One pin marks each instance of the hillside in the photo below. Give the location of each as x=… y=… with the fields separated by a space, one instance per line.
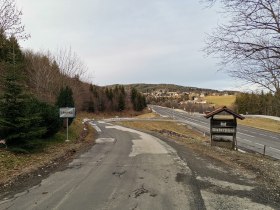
x=147 y=88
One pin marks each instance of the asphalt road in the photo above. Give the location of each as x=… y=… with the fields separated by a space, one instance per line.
x=127 y=169
x=247 y=137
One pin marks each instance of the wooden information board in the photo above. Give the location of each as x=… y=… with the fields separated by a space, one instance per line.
x=224 y=127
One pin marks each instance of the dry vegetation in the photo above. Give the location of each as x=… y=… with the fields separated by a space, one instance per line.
x=262 y=123
x=256 y=122
x=219 y=101
x=125 y=113
x=148 y=116
x=12 y=165
x=266 y=170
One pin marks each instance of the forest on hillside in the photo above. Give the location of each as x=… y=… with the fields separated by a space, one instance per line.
x=148 y=88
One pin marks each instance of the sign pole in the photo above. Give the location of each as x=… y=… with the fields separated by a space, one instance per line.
x=67 y=112
x=67 y=139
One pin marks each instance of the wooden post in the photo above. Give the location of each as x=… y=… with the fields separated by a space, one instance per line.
x=233 y=142
x=264 y=148
x=234 y=135
x=67 y=135
x=211 y=135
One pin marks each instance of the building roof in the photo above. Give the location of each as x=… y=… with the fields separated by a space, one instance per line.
x=224 y=109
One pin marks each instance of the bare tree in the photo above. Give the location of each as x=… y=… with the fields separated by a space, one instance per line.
x=249 y=43
x=43 y=75
x=10 y=20
x=70 y=64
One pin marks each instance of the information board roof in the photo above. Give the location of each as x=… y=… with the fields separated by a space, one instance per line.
x=224 y=109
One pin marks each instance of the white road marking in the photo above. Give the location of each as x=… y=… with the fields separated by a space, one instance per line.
x=105 y=140
x=246 y=140
x=95 y=127
x=247 y=135
x=101 y=122
x=260 y=144
x=105 y=123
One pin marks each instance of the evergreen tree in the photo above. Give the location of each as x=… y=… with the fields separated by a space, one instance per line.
x=133 y=94
x=109 y=94
x=138 y=100
x=65 y=99
x=10 y=50
x=121 y=103
x=276 y=103
x=19 y=124
x=49 y=115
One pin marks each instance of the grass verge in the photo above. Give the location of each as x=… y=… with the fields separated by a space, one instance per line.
x=256 y=122
x=261 y=123
x=13 y=165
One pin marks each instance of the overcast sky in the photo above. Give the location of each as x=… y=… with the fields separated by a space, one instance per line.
x=130 y=41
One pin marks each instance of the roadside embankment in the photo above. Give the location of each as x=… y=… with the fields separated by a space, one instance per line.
x=21 y=170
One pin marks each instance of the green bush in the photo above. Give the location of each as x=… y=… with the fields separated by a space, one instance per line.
x=31 y=146
x=49 y=115
x=65 y=99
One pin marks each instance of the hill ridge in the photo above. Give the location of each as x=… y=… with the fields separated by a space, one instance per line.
x=148 y=87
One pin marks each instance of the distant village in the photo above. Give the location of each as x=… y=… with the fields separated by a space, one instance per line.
x=195 y=101
x=185 y=97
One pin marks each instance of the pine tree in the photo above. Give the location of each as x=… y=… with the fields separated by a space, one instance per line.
x=121 y=103
x=18 y=123
x=65 y=99
x=138 y=100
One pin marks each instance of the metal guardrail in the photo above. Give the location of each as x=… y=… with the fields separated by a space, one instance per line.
x=260 y=148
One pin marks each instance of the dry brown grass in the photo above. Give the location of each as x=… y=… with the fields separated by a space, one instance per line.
x=255 y=122
x=101 y=115
x=220 y=101
x=148 y=116
x=158 y=126
x=262 y=123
